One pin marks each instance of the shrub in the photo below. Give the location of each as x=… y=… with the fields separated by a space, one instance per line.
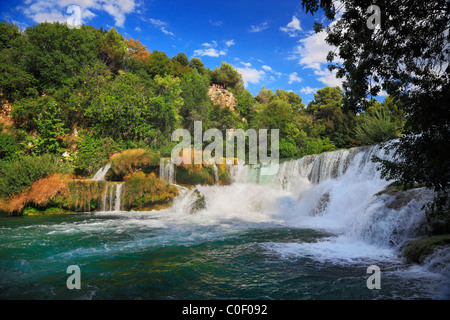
x=133 y=160
x=20 y=174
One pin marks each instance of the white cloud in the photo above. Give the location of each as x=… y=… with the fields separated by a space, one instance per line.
x=162 y=25
x=54 y=10
x=269 y=69
x=163 y=29
x=216 y=23
x=313 y=50
x=258 y=28
x=250 y=75
x=213 y=44
x=230 y=43
x=137 y=29
x=328 y=78
x=293 y=77
x=210 y=52
x=292 y=28
x=247 y=64
x=312 y=54
x=308 y=90
x=211 y=49
x=157 y=22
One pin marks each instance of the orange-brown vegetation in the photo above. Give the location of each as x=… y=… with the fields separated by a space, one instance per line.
x=137 y=50
x=133 y=160
x=40 y=193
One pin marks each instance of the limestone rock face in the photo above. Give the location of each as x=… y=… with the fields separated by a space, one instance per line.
x=222 y=97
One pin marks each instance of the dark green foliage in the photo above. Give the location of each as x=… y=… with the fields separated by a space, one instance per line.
x=227 y=76
x=53 y=52
x=245 y=102
x=93 y=153
x=19 y=174
x=8 y=33
x=196 y=102
x=50 y=131
x=9 y=147
x=112 y=49
x=326 y=111
x=198 y=65
x=158 y=64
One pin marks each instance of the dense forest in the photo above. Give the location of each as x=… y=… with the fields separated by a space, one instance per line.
x=88 y=93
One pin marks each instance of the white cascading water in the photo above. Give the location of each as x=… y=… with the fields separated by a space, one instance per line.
x=112 y=197
x=100 y=174
x=167 y=170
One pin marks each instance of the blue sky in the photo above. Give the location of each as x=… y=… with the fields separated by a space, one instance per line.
x=271 y=43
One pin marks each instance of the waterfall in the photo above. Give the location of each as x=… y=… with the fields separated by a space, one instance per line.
x=167 y=170
x=334 y=191
x=100 y=174
x=112 y=197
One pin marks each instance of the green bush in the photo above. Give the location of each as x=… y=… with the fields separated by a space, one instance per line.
x=20 y=174
x=9 y=147
x=375 y=129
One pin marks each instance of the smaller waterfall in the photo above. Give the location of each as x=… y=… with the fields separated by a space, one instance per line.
x=167 y=170
x=112 y=197
x=100 y=174
x=118 y=197
x=216 y=173
x=104 y=199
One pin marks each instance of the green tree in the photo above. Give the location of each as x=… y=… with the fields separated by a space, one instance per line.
x=8 y=33
x=196 y=101
x=292 y=98
x=196 y=63
x=112 y=49
x=326 y=110
x=50 y=131
x=158 y=64
x=227 y=76
x=53 y=52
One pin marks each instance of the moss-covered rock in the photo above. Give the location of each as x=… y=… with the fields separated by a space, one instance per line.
x=416 y=251
x=146 y=191
x=132 y=160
